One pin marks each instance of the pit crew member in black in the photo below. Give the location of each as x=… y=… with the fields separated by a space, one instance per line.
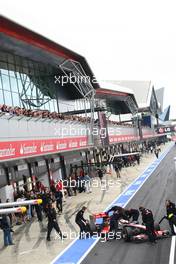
x=118 y=209
x=114 y=222
x=132 y=214
x=147 y=218
x=171 y=215
x=52 y=222
x=125 y=214
x=82 y=223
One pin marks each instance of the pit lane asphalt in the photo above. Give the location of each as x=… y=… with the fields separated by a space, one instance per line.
x=160 y=186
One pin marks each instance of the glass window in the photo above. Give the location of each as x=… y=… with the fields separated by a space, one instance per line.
x=20 y=86
x=2 y=56
x=25 y=63
x=8 y=98
x=11 y=73
x=17 y=75
x=16 y=71
x=14 y=86
x=55 y=105
x=5 y=82
x=10 y=58
x=17 y=60
x=3 y=65
x=1 y=97
x=26 y=71
x=16 y=99
x=30 y=64
x=4 y=71
x=51 y=104
x=28 y=88
x=11 y=70
x=0 y=81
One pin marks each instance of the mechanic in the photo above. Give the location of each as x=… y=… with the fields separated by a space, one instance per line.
x=52 y=222
x=114 y=221
x=171 y=215
x=132 y=213
x=147 y=218
x=82 y=223
x=116 y=208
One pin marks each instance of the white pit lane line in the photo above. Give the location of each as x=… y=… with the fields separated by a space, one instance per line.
x=172 y=249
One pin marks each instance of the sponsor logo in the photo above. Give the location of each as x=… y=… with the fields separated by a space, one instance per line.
x=46 y=147
x=7 y=152
x=28 y=149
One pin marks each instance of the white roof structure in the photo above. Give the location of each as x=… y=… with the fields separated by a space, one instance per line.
x=160 y=96
x=143 y=91
x=110 y=85
x=119 y=99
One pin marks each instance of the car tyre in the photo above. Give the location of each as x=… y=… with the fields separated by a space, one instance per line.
x=127 y=234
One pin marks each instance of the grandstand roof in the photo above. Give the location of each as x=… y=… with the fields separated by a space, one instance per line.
x=120 y=100
x=164 y=116
x=23 y=42
x=160 y=96
x=144 y=93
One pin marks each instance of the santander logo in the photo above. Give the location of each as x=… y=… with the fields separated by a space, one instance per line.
x=7 y=151
x=28 y=149
x=46 y=147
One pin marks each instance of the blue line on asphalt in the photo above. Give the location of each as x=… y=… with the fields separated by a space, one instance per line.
x=74 y=252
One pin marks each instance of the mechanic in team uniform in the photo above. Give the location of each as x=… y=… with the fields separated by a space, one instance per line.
x=125 y=214
x=147 y=218
x=118 y=213
x=82 y=223
x=52 y=222
x=114 y=218
x=116 y=208
x=132 y=214
x=171 y=215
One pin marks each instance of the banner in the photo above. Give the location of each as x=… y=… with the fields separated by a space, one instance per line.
x=25 y=148
x=167 y=129
x=122 y=138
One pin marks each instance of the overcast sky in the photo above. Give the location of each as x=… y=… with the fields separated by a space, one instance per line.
x=121 y=39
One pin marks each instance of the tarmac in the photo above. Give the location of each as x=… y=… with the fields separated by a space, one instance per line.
x=30 y=245
x=159 y=186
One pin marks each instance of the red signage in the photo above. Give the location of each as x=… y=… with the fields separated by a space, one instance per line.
x=166 y=129
x=18 y=149
x=122 y=138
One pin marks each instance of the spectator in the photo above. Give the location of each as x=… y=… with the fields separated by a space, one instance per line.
x=116 y=168
x=156 y=153
x=100 y=174
x=6 y=227
x=87 y=183
x=59 y=197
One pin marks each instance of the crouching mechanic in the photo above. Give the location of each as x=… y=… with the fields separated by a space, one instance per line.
x=132 y=214
x=147 y=218
x=82 y=223
x=117 y=209
x=126 y=214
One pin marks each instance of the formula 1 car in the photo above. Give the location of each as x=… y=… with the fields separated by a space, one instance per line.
x=137 y=232
x=100 y=223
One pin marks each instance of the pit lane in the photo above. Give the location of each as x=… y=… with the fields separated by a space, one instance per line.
x=160 y=186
